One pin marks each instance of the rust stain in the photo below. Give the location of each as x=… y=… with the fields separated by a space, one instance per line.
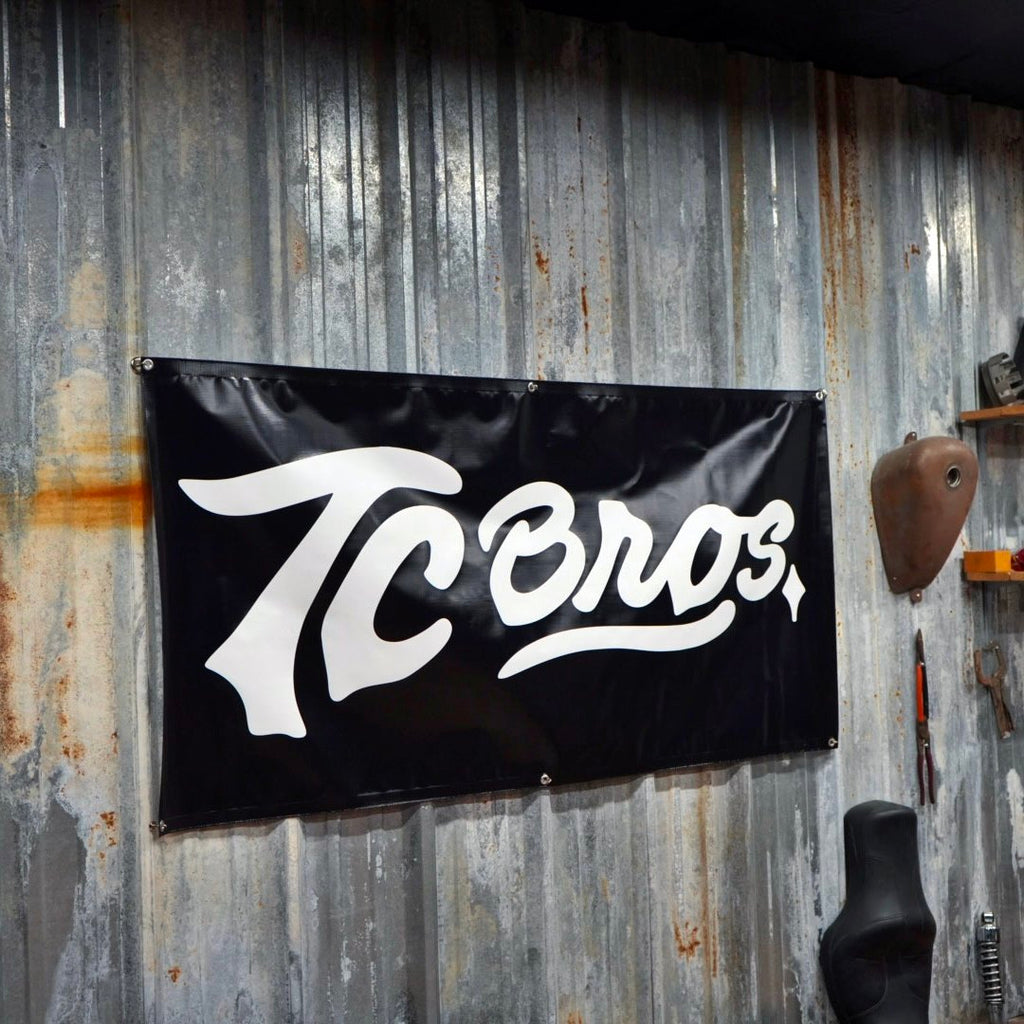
x=586 y=308
x=109 y=819
x=72 y=749
x=842 y=256
x=297 y=242
x=75 y=751
x=851 y=228
x=300 y=256
x=13 y=737
x=174 y=973
x=543 y=262
x=92 y=503
x=93 y=478
x=829 y=228
x=575 y=1017
x=687 y=942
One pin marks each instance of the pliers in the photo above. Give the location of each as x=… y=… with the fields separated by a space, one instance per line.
x=924 y=741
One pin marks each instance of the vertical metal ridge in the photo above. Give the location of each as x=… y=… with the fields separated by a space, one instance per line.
x=410 y=358
x=5 y=27
x=61 y=110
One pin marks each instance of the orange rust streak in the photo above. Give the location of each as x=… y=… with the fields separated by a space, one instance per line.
x=174 y=973
x=854 y=286
x=95 y=505
x=12 y=736
x=829 y=227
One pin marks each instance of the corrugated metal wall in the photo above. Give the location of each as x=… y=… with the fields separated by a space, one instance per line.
x=471 y=188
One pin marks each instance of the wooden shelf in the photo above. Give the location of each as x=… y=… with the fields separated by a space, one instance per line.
x=999 y=412
x=995 y=577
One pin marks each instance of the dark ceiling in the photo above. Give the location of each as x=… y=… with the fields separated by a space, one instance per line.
x=956 y=46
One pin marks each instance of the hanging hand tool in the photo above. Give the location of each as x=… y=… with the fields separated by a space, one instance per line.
x=994 y=683
x=924 y=741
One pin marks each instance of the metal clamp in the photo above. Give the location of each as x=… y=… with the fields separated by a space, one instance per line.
x=994 y=684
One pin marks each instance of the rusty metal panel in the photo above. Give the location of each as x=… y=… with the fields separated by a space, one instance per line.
x=471 y=188
x=72 y=506
x=998 y=160
x=908 y=190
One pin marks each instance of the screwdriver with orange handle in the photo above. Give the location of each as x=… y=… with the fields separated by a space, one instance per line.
x=925 y=764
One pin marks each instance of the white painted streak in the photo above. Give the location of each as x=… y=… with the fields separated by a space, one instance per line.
x=61 y=109
x=1015 y=797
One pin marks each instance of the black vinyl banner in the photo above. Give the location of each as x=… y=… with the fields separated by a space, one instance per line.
x=383 y=587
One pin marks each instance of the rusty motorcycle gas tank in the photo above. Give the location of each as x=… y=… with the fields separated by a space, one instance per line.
x=921 y=493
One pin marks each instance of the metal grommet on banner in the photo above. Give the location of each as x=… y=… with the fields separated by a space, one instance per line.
x=545 y=779
x=833 y=742
x=532 y=386
x=159 y=827
x=821 y=394
x=142 y=364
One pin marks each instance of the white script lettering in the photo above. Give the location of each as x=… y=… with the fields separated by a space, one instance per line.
x=258 y=657
x=514 y=607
